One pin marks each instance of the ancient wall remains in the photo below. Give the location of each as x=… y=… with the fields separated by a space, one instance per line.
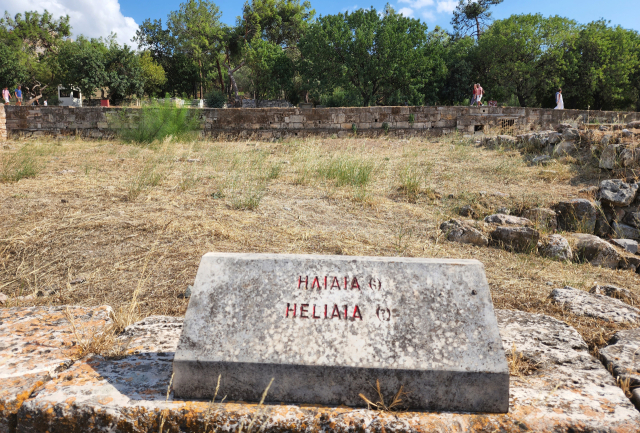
x=267 y=123
x=3 y=124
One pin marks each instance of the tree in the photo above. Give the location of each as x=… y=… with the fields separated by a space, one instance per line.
x=12 y=72
x=124 y=74
x=605 y=64
x=526 y=56
x=197 y=29
x=271 y=71
x=459 y=58
x=83 y=65
x=152 y=74
x=470 y=17
x=279 y=22
x=35 y=38
x=375 y=55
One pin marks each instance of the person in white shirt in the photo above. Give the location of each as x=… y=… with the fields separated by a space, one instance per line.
x=559 y=101
x=6 y=96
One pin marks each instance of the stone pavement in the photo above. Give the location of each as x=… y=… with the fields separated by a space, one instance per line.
x=567 y=391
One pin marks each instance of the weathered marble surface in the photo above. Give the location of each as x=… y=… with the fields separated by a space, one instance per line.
x=592 y=305
x=623 y=357
x=36 y=343
x=569 y=392
x=326 y=327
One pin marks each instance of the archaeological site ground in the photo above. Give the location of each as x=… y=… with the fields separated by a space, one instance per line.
x=101 y=239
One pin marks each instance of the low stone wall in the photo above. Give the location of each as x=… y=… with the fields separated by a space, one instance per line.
x=267 y=123
x=3 y=124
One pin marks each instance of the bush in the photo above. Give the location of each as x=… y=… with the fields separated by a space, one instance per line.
x=215 y=99
x=157 y=122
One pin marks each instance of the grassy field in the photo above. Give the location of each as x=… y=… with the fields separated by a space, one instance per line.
x=89 y=222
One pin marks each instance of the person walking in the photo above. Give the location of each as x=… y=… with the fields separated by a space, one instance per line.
x=480 y=94
x=475 y=92
x=559 y=100
x=18 y=93
x=6 y=96
x=45 y=102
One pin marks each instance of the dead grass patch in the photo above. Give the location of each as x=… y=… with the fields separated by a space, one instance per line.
x=71 y=224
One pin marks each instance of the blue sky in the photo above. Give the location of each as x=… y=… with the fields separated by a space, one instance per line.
x=95 y=18
x=433 y=12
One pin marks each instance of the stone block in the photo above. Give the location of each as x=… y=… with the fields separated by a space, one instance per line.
x=598 y=306
x=36 y=343
x=326 y=327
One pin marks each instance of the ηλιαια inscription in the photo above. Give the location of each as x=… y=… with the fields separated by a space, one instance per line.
x=308 y=311
x=338 y=283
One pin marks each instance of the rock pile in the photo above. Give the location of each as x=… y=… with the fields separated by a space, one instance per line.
x=604 y=232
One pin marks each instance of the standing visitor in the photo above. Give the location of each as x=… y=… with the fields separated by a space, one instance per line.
x=45 y=102
x=559 y=100
x=6 y=95
x=18 y=93
x=480 y=94
x=475 y=92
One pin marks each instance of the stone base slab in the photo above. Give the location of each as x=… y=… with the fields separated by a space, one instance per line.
x=569 y=391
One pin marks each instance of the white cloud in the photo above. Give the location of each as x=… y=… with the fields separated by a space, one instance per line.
x=447 y=5
x=350 y=9
x=407 y=12
x=429 y=15
x=417 y=4
x=92 y=18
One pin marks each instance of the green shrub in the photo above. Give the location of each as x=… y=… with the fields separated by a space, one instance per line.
x=346 y=171
x=215 y=99
x=385 y=126
x=157 y=122
x=412 y=118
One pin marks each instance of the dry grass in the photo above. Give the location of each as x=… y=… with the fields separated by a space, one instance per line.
x=395 y=404
x=78 y=219
x=519 y=365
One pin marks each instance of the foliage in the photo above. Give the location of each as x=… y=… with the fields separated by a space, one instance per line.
x=124 y=74
x=524 y=55
x=12 y=72
x=604 y=68
x=374 y=55
x=152 y=74
x=83 y=65
x=459 y=62
x=34 y=39
x=155 y=123
x=18 y=165
x=470 y=17
x=271 y=71
x=215 y=99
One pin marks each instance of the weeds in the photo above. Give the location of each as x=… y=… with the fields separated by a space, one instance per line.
x=346 y=171
x=519 y=365
x=147 y=178
x=157 y=123
x=380 y=405
x=411 y=180
x=19 y=165
x=385 y=127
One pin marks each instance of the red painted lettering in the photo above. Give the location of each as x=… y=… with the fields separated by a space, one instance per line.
x=316 y=283
x=356 y=313
x=354 y=284
x=289 y=309
x=313 y=316
x=325 y=283
x=336 y=312
x=345 y=283
x=306 y=282
x=303 y=310
x=335 y=283
x=325 y=311
x=345 y=313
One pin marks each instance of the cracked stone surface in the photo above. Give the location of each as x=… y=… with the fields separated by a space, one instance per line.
x=623 y=358
x=629 y=245
x=557 y=248
x=543 y=217
x=576 y=215
x=591 y=305
x=624 y=295
x=617 y=193
x=508 y=220
x=569 y=392
x=35 y=343
x=520 y=239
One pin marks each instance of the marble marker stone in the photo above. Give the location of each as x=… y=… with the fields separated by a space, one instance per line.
x=327 y=327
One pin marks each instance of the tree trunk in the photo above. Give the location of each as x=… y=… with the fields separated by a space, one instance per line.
x=220 y=75
x=477 y=28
